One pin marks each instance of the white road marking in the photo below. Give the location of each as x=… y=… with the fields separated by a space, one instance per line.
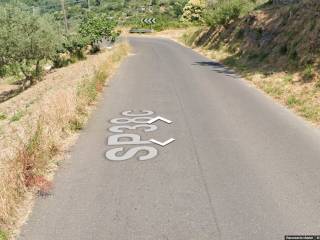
x=162 y=144
x=159 y=118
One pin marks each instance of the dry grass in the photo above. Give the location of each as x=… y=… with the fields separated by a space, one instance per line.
x=298 y=89
x=274 y=47
x=42 y=134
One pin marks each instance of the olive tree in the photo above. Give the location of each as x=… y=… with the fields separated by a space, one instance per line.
x=26 y=40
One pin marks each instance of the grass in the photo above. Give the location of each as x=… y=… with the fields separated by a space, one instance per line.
x=190 y=36
x=295 y=88
x=64 y=112
x=76 y=124
x=272 y=89
x=288 y=78
x=3 y=235
x=311 y=112
x=89 y=88
x=17 y=116
x=87 y=91
x=3 y=116
x=308 y=73
x=293 y=101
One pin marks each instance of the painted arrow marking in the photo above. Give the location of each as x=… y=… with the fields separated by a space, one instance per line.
x=162 y=144
x=159 y=118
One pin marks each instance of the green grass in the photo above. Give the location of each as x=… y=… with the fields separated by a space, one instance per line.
x=311 y=112
x=288 y=78
x=76 y=125
x=17 y=116
x=272 y=89
x=3 y=235
x=2 y=116
x=87 y=90
x=293 y=101
x=308 y=73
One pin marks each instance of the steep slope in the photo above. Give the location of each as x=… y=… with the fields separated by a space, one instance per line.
x=276 y=47
x=282 y=37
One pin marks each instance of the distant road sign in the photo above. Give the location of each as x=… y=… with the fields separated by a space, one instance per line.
x=149 y=20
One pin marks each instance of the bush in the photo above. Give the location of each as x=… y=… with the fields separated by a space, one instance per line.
x=72 y=49
x=192 y=12
x=61 y=60
x=96 y=27
x=178 y=6
x=225 y=11
x=75 y=45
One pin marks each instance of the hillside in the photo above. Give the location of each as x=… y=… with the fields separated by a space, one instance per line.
x=277 y=36
x=274 y=46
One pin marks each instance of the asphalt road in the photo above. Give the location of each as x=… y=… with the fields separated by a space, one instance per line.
x=242 y=167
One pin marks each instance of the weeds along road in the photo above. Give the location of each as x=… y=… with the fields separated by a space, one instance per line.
x=241 y=166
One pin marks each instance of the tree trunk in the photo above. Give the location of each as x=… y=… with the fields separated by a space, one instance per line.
x=38 y=71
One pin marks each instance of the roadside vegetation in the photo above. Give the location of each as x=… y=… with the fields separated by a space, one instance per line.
x=43 y=133
x=3 y=235
x=275 y=46
x=41 y=110
x=166 y=12
x=53 y=64
x=31 y=42
x=37 y=36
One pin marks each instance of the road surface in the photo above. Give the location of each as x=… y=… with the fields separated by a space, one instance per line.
x=241 y=166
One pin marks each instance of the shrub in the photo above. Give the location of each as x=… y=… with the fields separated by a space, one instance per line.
x=95 y=27
x=71 y=50
x=75 y=44
x=178 y=7
x=193 y=11
x=61 y=60
x=225 y=11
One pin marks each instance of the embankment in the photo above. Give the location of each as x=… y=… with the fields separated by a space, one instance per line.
x=39 y=125
x=276 y=47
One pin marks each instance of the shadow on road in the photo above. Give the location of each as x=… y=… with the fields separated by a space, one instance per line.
x=217 y=67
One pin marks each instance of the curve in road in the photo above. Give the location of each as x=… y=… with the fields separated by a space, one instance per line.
x=241 y=166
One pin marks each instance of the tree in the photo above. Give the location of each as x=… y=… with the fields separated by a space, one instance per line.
x=178 y=7
x=26 y=40
x=97 y=26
